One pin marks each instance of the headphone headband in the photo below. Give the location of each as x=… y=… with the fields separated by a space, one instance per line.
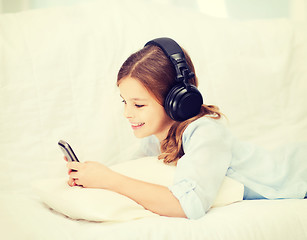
x=174 y=52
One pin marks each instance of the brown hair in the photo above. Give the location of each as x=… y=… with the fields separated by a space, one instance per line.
x=155 y=71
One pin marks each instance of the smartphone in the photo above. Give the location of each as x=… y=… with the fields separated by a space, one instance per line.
x=68 y=152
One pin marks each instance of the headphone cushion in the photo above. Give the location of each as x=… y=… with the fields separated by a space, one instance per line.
x=183 y=102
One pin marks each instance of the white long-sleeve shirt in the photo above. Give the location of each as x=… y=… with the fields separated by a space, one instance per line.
x=211 y=152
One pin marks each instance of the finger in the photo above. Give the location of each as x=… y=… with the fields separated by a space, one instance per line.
x=77 y=183
x=74 y=175
x=71 y=182
x=73 y=165
x=71 y=170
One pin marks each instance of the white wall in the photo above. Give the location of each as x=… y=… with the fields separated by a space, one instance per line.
x=236 y=9
x=7 y=6
x=53 y=3
x=298 y=9
x=10 y=6
x=251 y=9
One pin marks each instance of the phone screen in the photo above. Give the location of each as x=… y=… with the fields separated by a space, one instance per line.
x=68 y=152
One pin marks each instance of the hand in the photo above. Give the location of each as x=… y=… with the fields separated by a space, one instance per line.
x=90 y=175
x=156 y=198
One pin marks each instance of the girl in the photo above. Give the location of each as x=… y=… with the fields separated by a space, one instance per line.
x=201 y=148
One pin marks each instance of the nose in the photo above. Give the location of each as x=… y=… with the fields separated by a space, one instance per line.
x=128 y=112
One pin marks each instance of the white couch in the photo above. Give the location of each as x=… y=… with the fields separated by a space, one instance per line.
x=58 y=72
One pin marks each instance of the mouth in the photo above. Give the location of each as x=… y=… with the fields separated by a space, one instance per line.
x=136 y=126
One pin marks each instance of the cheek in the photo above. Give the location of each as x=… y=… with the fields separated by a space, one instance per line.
x=161 y=117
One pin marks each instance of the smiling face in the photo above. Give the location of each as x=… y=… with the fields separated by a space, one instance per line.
x=146 y=116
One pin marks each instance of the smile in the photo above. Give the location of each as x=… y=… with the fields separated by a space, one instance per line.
x=136 y=125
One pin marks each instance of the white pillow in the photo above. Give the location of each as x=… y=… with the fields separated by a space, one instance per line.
x=103 y=205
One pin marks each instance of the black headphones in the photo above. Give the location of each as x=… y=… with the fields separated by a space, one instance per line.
x=184 y=100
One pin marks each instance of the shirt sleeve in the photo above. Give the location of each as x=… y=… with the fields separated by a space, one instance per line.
x=201 y=171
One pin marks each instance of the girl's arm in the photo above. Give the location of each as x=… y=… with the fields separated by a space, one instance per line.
x=153 y=197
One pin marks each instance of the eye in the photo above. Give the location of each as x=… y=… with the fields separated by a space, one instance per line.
x=139 y=106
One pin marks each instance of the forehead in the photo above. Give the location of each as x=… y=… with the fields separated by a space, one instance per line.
x=133 y=88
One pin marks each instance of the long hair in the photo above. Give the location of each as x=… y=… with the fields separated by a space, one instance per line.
x=157 y=74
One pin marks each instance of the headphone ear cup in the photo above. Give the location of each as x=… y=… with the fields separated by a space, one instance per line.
x=183 y=102
x=170 y=103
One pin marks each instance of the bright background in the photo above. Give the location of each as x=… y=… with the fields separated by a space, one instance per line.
x=235 y=9
x=57 y=71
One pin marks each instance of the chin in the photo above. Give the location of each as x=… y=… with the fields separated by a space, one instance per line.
x=141 y=135
x=137 y=136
